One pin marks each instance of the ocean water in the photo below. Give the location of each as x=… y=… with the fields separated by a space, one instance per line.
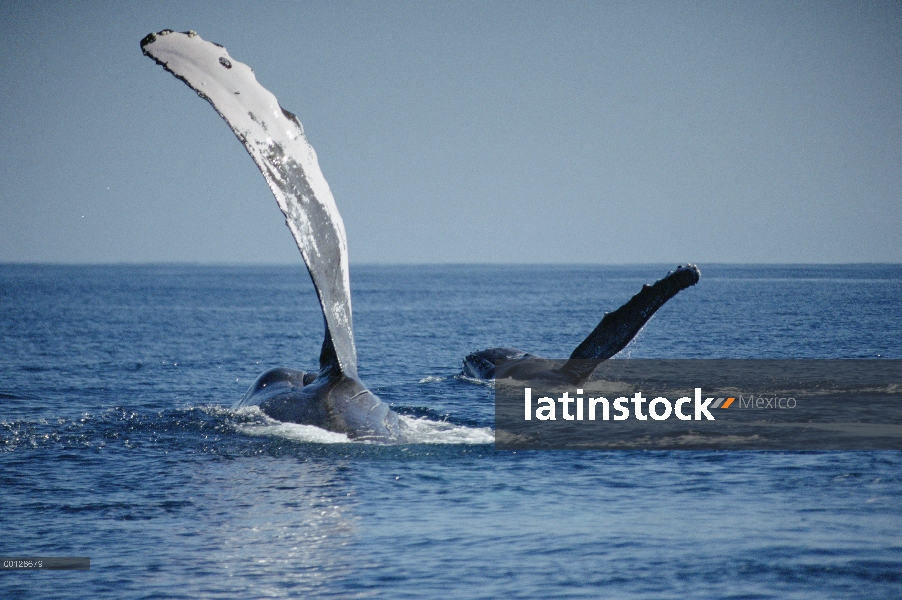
x=117 y=441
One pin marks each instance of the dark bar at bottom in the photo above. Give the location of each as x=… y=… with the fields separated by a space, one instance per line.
x=54 y=563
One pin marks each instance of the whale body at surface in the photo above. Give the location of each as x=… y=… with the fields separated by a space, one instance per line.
x=330 y=401
x=612 y=335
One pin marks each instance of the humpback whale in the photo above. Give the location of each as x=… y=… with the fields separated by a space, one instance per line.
x=612 y=335
x=333 y=398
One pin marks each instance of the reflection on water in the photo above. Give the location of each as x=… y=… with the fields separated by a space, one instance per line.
x=281 y=524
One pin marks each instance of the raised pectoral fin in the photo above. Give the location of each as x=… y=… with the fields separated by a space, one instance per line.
x=618 y=328
x=275 y=140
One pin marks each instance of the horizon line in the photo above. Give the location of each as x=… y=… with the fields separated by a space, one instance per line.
x=300 y=263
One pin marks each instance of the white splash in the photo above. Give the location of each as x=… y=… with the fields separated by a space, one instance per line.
x=295 y=432
x=425 y=431
x=422 y=431
x=489 y=383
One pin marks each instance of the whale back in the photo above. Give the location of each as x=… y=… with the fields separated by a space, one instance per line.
x=276 y=142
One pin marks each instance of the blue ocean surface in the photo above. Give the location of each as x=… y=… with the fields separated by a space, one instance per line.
x=117 y=441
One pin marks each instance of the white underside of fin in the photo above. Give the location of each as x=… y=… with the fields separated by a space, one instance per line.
x=275 y=140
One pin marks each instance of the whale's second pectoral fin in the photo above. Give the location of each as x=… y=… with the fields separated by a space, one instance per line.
x=618 y=328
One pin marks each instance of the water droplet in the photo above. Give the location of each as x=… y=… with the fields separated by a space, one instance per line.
x=225 y=62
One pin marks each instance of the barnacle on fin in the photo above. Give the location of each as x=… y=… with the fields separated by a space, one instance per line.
x=152 y=37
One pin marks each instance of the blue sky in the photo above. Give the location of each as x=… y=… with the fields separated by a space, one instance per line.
x=559 y=132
